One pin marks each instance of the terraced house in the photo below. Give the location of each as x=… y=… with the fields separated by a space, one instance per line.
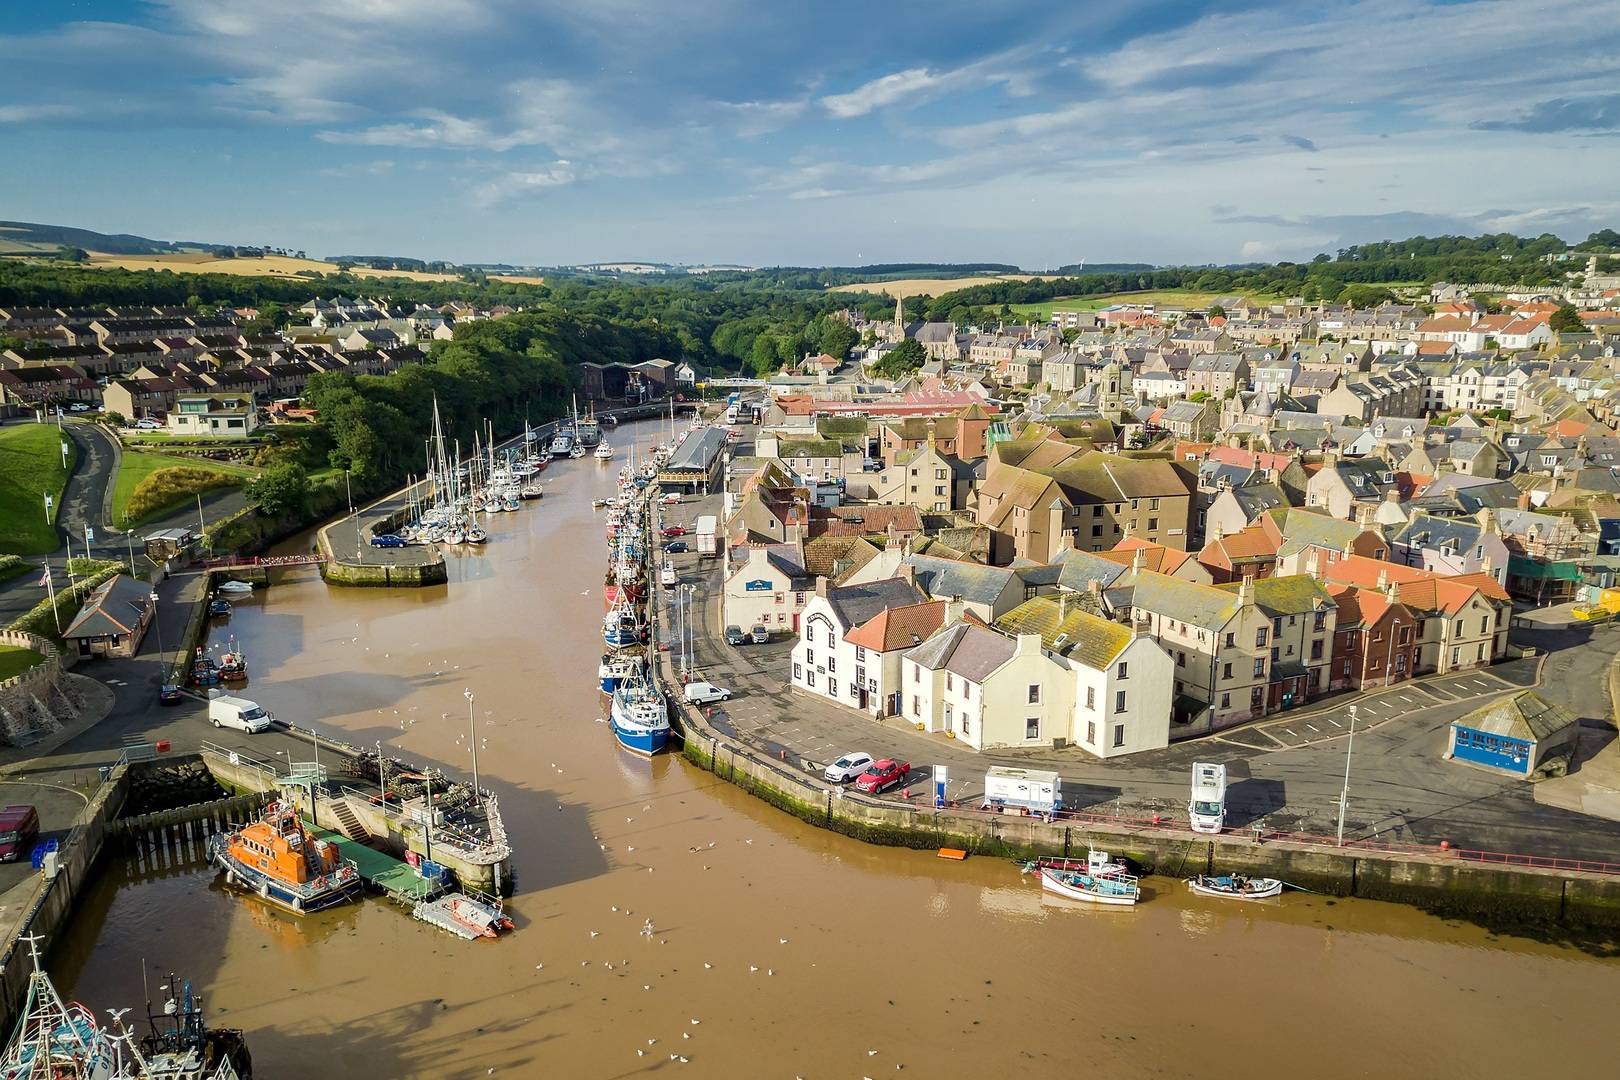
x=1463 y=618
x=1039 y=497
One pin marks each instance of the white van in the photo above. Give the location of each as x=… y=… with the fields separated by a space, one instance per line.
x=1207 y=808
x=238 y=713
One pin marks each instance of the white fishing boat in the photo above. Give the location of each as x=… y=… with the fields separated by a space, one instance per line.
x=530 y=491
x=234 y=587
x=477 y=535
x=1235 y=886
x=604 y=452
x=577 y=451
x=1099 y=883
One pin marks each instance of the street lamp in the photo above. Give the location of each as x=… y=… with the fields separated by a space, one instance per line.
x=472 y=738
x=157 y=624
x=1344 y=794
x=349 y=491
x=382 y=778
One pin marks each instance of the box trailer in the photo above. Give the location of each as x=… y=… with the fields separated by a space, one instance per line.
x=1025 y=789
x=708 y=539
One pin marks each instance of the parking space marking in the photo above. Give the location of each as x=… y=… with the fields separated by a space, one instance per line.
x=1314 y=728
x=1292 y=732
x=1334 y=722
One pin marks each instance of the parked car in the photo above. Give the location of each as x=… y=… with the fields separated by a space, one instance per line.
x=238 y=713
x=705 y=693
x=672 y=531
x=735 y=636
x=671 y=499
x=148 y=424
x=882 y=775
x=19 y=828
x=78 y=406
x=388 y=540
x=667 y=576
x=168 y=694
x=847 y=767
x=759 y=635
x=677 y=547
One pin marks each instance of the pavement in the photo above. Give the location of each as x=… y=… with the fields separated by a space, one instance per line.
x=1286 y=772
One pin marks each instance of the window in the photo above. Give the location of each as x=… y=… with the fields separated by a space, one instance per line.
x=1153 y=524
x=948 y=685
x=798 y=672
x=810 y=656
x=810 y=679
x=1153 y=504
x=1096 y=530
x=1226 y=671
x=1091 y=732
x=1119 y=734
x=950 y=715
x=1231 y=641
x=1316 y=650
x=832 y=687
x=1034 y=693
x=1260 y=637
x=1119 y=701
x=1254 y=698
x=832 y=663
x=1320 y=622
x=1096 y=511
x=1482 y=653
x=1456 y=657
x=1459 y=630
x=967 y=723
x=1276 y=653
x=1181 y=659
x=1091 y=697
x=1400 y=663
x=1135 y=503
x=860 y=653
x=916 y=705
x=1032 y=727
x=1485 y=625
x=810 y=635
x=860 y=674
x=1259 y=666
x=1226 y=701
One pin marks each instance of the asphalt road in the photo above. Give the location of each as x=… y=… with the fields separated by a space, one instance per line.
x=1284 y=774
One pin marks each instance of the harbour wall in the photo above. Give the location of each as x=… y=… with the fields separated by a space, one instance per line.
x=49 y=902
x=1440 y=883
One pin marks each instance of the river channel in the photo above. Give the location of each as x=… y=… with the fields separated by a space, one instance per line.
x=778 y=950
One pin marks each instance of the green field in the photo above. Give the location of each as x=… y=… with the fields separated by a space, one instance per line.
x=14 y=660
x=30 y=468
x=136 y=465
x=1177 y=297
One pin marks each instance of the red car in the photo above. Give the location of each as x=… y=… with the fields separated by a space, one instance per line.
x=673 y=530
x=882 y=775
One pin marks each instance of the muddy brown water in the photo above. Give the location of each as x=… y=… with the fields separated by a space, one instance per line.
x=799 y=953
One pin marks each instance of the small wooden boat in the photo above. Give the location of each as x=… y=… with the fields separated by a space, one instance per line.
x=1099 y=880
x=219 y=606
x=1235 y=886
x=463 y=916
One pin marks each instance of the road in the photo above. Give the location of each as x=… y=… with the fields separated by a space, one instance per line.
x=1287 y=773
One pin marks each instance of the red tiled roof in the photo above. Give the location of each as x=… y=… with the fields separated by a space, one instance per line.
x=900 y=627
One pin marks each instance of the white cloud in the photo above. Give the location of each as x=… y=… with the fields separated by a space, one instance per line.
x=817 y=193
x=510 y=185
x=24 y=114
x=749 y=118
x=881 y=92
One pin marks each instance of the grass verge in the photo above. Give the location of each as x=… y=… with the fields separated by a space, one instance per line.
x=30 y=468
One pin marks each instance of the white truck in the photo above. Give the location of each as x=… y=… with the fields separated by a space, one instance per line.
x=1025 y=789
x=1206 y=810
x=238 y=713
x=708 y=536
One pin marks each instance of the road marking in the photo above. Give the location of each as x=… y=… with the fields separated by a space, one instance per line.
x=1292 y=732
x=1314 y=728
x=1334 y=722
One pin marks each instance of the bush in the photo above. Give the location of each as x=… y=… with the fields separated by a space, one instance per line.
x=166 y=487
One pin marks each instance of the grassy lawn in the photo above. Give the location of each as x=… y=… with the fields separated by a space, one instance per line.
x=14 y=660
x=30 y=467
x=1177 y=297
x=137 y=465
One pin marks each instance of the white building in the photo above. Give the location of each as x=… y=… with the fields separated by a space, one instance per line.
x=826 y=663
x=767 y=588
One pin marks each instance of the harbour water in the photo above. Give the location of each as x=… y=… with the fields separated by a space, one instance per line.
x=777 y=950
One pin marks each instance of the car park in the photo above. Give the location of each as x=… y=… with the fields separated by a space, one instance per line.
x=677 y=547
x=735 y=636
x=388 y=540
x=847 y=768
x=705 y=693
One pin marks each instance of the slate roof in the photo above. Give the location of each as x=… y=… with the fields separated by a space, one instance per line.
x=948 y=578
x=115 y=607
x=965 y=649
x=1525 y=715
x=1067 y=629
x=856 y=604
x=1184 y=601
x=1078 y=569
x=1427 y=531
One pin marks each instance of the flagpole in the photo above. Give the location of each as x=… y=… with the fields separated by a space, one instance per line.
x=50 y=586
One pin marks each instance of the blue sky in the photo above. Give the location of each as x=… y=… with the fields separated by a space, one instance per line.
x=827 y=133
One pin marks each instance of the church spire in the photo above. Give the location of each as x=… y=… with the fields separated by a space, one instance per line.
x=899 y=319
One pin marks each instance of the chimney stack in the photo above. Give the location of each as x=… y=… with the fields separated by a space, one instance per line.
x=1246 y=589
x=821 y=585
x=1139 y=560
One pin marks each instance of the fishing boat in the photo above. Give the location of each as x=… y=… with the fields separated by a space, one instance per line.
x=1235 y=886
x=57 y=1040
x=577 y=451
x=232 y=666
x=530 y=490
x=282 y=862
x=219 y=606
x=1097 y=884
x=455 y=535
x=639 y=716
x=464 y=916
x=562 y=443
x=615 y=668
x=477 y=535
x=509 y=501
x=588 y=431
x=204 y=672
x=609 y=420
x=1103 y=867
x=234 y=586
x=621 y=629
x=604 y=452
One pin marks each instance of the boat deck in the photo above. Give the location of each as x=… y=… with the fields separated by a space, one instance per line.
x=393 y=876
